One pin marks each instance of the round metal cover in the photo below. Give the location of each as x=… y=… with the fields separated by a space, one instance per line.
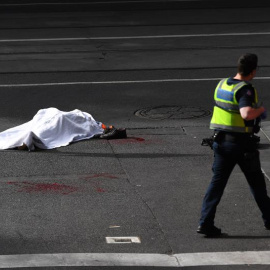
x=172 y=112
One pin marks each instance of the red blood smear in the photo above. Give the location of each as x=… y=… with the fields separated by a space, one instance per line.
x=128 y=140
x=139 y=139
x=95 y=184
x=30 y=187
x=104 y=175
x=100 y=190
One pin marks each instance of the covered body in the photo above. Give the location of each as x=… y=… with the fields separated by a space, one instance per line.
x=51 y=128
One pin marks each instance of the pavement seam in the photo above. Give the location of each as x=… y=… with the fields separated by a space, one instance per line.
x=177 y=260
x=170 y=251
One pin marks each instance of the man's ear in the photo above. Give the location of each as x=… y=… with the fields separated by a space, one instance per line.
x=251 y=75
x=254 y=72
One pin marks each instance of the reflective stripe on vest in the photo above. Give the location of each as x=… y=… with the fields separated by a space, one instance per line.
x=228 y=121
x=232 y=129
x=226 y=115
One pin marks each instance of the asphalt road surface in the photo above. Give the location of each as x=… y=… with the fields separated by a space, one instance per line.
x=150 y=67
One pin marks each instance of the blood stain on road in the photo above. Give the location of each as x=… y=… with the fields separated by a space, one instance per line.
x=30 y=187
x=100 y=190
x=95 y=183
x=128 y=140
x=137 y=141
x=99 y=175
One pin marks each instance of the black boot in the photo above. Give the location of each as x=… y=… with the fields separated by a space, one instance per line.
x=209 y=230
x=115 y=133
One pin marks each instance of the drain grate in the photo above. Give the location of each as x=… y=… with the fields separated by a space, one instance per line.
x=172 y=112
x=123 y=240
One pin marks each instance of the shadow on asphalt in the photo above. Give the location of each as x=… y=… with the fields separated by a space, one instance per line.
x=227 y=236
x=264 y=146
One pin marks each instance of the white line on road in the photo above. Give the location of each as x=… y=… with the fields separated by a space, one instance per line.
x=105 y=82
x=132 y=37
x=135 y=259
x=117 y=82
x=91 y=3
x=87 y=3
x=267 y=137
x=266 y=176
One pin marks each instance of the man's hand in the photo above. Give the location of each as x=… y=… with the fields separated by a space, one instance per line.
x=249 y=113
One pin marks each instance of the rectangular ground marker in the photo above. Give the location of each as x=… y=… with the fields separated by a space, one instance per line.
x=123 y=240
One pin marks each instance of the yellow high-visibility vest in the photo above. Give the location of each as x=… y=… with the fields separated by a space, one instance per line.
x=226 y=115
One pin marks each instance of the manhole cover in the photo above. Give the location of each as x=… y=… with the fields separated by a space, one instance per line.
x=172 y=112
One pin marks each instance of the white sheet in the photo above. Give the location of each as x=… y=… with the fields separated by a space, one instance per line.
x=51 y=128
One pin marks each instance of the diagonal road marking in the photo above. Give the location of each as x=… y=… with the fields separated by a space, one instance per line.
x=134 y=37
x=118 y=82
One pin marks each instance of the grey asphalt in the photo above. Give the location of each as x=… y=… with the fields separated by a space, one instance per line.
x=150 y=185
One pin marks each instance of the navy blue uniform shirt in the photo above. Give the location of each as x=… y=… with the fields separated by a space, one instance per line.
x=245 y=96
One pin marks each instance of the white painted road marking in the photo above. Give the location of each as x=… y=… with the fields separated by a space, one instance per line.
x=266 y=176
x=267 y=137
x=133 y=37
x=84 y=3
x=117 y=82
x=123 y=240
x=135 y=259
x=105 y=82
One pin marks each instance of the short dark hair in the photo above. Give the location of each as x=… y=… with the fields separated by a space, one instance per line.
x=247 y=63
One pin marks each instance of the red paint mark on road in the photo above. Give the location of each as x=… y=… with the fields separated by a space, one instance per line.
x=30 y=187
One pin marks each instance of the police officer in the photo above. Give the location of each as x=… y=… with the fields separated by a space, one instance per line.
x=235 y=112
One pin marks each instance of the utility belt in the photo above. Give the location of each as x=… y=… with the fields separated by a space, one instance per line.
x=249 y=142
x=241 y=138
x=231 y=137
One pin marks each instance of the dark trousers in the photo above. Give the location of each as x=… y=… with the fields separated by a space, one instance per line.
x=226 y=155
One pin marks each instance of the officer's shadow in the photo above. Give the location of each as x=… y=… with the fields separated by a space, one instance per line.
x=263 y=146
x=227 y=236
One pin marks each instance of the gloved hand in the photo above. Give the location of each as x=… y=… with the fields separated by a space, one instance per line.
x=264 y=115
